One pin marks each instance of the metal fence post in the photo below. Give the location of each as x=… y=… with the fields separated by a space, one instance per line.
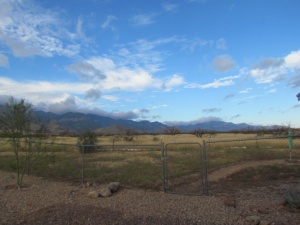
x=82 y=165
x=163 y=167
x=205 y=189
x=290 y=134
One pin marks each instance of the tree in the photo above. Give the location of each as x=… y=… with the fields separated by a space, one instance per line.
x=16 y=118
x=88 y=139
x=198 y=132
x=172 y=130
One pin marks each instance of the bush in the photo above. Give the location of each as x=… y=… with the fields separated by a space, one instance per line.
x=129 y=138
x=89 y=140
x=293 y=198
x=155 y=139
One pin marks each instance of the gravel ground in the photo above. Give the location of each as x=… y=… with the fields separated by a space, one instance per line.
x=43 y=201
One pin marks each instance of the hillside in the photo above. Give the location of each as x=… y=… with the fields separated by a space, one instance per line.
x=74 y=122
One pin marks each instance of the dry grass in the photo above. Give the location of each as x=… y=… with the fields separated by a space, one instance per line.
x=150 y=139
x=142 y=165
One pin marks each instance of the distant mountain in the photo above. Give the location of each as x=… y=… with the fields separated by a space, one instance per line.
x=80 y=122
x=218 y=126
x=74 y=122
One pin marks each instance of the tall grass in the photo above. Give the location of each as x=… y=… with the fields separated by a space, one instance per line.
x=135 y=164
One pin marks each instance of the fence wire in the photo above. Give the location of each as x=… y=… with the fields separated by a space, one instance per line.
x=222 y=152
x=132 y=165
x=185 y=168
x=254 y=153
x=173 y=167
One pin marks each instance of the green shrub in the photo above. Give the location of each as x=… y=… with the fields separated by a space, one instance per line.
x=129 y=138
x=155 y=139
x=293 y=198
x=89 y=140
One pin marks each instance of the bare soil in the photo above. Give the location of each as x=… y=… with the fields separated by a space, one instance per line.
x=236 y=192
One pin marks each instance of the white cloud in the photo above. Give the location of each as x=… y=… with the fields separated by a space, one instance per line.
x=221 y=44
x=93 y=69
x=246 y=90
x=222 y=82
x=108 y=75
x=110 y=98
x=142 y=19
x=170 y=7
x=93 y=94
x=67 y=105
x=80 y=30
x=159 y=106
x=174 y=81
x=265 y=75
x=294 y=82
x=292 y=60
x=31 y=30
x=108 y=22
x=41 y=91
x=193 y=44
x=223 y=63
x=59 y=97
x=269 y=70
x=3 y=60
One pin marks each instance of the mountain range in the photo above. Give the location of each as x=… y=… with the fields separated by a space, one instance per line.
x=74 y=122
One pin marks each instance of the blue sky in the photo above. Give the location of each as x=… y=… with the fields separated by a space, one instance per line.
x=176 y=62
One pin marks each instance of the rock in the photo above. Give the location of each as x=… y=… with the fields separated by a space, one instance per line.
x=93 y=194
x=256 y=178
x=114 y=186
x=264 y=222
x=253 y=220
x=229 y=201
x=105 y=192
x=87 y=184
x=263 y=211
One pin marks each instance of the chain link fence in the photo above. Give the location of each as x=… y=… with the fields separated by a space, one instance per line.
x=251 y=152
x=131 y=165
x=174 y=167
x=185 y=170
x=225 y=152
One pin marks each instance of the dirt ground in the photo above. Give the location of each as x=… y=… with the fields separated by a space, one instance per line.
x=256 y=174
x=237 y=193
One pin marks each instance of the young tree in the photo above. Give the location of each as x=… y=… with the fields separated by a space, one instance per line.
x=88 y=138
x=198 y=132
x=172 y=130
x=16 y=118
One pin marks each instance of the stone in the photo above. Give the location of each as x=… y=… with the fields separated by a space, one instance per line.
x=114 y=186
x=105 y=192
x=264 y=222
x=229 y=201
x=253 y=220
x=263 y=211
x=93 y=194
x=88 y=184
x=256 y=178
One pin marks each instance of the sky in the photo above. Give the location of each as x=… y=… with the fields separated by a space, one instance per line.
x=176 y=62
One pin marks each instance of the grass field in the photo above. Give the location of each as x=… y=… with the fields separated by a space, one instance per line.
x=138 y=162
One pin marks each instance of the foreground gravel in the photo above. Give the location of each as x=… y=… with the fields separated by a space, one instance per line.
x=42 y=201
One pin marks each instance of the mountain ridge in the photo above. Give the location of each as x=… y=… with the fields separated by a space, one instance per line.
x=76 y=122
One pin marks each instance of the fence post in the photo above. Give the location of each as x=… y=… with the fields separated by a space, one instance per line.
x=82 y=165
x=205 y=189
x=27 y=157
x=163 y=167
x=290 y=134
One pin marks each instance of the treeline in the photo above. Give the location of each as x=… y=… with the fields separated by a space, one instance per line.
x=127 y=133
